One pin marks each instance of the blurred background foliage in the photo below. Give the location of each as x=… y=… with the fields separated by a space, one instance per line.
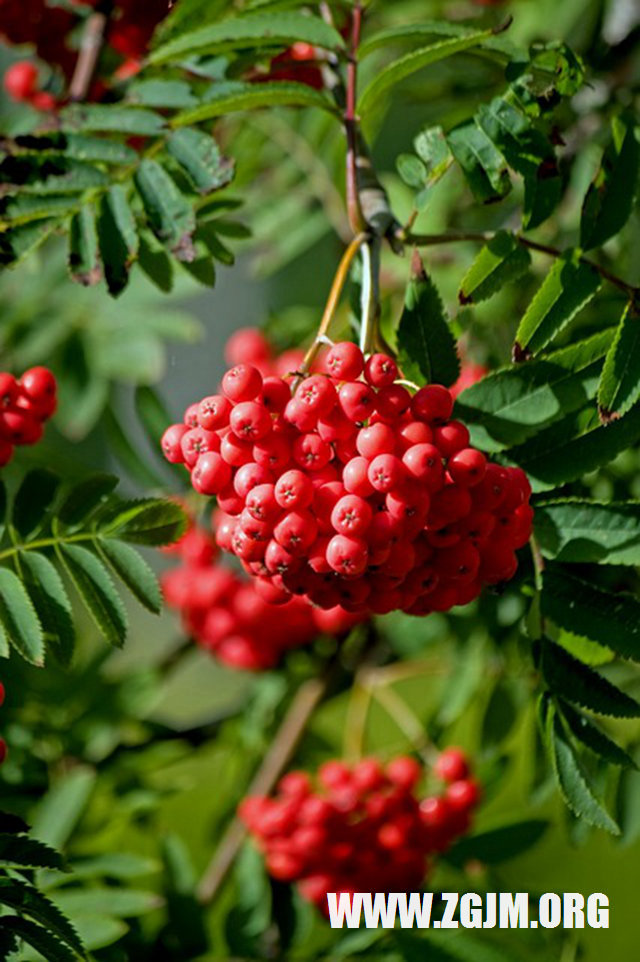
x=133 y=762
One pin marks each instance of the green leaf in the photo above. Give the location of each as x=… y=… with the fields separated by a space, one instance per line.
x=198 y=154
x=174 y=94
x=410 y=63
x=84 y=497
x=576 y=530
x=567 y=288
x=96 y=589
x=619 y=387
x=112 y=117
x=500 y=261
x=42 y=941
x=609 y=200
x=582 y=686
x=256 y=30
x=592 y=737
x=19 y=620
x=170 y=214
x=43 y=176
x=527 y=151
x=585 y=608
x=99 y=931
x=128 y=454
x=498 y=844
x=24 y=852
x=236 y=95
x=11 y=823
x=427 y=348
x=510 y=405
x=119 y=241
x=154 y=418
x=121 y=902
x=61 y=808
x=425 y=28
x=84 y=262
x=571 y=777
x=133 y=571
x=49 y=597
x=482 y=164
x=27 y=900
x=148 y=521
x=412 y=170
x=34 y=496
x=577 y=444
x=19 y=242
x=116 y=865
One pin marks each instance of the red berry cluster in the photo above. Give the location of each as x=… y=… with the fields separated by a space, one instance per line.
x=352 y=491
x=48 y=28
x=361 y=828
x=24 y=407
x=231 y=617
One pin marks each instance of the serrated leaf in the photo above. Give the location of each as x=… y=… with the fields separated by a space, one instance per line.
x=19 y=620
x=609 y=199
x=585 y=608
x=510 y=405
x=116 y=865
x=174 y=94
x=500 y=261
x=572 y=780
x=42 y=941
x=133 y=571
x=10 y=823
x=49 y=597
x=199 y=156
x=83 y=147
x=34 y=175
x=427 y=348
x=84 y=262
x=592 y=737
x=528 y=152
x=119 y=241
x=482 y=164
x=84 y=497
x=231 y=96
x=27 y=900
x=577 y=530
x=255 y=30
x=19 y=242
x=24 y=852
x=170 y=213
x=112 y=117
x=567 y=288
x=149 y=521
x=498 y=844
x=410 y=63
x=425 y=28
x=95 y=587
x=35 y=495
x=580 y=685
x=577 y=444
x=619 y=387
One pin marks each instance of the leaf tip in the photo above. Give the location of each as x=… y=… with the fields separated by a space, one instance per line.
x=417 y=267
x=606 y=416
x=463 y=298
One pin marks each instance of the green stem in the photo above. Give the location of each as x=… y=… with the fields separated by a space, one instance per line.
x=46 y=543
x=482 y=237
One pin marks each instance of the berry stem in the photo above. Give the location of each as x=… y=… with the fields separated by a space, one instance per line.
x=455 y=237
x=332 y=302
x=89 y=53
x=354 y=209
x=307 y=699
x=405 y=719
x=370 y=295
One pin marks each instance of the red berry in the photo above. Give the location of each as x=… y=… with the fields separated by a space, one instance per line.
x=20 y=79
x=452 y=765
x=242 y=383
x=344 y=361
x=433 y=404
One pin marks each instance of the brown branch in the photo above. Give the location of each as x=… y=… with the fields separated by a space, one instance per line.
x=455 y=237
x=354 y=210
x=275 y=761
x=89 y=53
